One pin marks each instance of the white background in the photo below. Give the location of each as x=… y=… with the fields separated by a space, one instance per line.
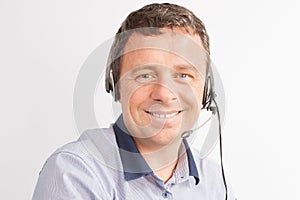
x=254 y=44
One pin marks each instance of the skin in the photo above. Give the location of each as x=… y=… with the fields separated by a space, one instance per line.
x=161 y=94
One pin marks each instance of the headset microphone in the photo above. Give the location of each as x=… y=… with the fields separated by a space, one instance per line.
x=186 y=134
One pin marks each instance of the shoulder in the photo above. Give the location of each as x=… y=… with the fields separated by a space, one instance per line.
x=91 y=149
x=91 y=145
x=78 y=168
x=88 y=138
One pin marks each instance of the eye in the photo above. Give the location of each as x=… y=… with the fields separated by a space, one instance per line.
x=145 y=76
x=183 y=76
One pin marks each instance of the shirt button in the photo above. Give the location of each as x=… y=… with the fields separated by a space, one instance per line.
x=165 y=194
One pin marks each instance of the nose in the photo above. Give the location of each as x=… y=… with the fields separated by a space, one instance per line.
x=162 y=94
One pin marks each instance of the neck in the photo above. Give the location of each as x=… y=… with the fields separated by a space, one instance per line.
x=162 y=160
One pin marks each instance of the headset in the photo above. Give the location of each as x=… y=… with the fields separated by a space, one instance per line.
x=208 y=102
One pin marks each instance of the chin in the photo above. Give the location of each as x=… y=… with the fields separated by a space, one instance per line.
x=166 y=137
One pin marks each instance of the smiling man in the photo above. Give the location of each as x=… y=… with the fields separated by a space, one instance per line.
x=161 y=93
x=157 y=70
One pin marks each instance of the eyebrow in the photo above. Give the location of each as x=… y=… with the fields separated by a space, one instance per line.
x=144 y=67
x=187 y=67
x=155 y=67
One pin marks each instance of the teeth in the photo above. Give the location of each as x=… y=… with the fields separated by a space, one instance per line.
x=163 y=116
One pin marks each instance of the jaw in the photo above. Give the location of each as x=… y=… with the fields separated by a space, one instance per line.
x=166 y=140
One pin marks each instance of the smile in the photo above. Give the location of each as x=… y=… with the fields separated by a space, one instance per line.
x=163 y=115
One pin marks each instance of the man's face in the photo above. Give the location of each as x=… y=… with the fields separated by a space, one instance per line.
x=161 y=86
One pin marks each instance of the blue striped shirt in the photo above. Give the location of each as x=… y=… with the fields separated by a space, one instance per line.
x=105 y=164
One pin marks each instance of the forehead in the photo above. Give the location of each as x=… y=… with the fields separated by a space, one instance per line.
x=171 y=48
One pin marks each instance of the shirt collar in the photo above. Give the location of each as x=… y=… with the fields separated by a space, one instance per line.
x=191 y=162
x=134 y=165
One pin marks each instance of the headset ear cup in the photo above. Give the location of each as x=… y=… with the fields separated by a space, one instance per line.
x=109 y=84
x=208 y=93
x=204 y=98
x=112 y=90
x=115 y=93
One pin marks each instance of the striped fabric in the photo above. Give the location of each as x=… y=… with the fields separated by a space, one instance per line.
x=92 y=168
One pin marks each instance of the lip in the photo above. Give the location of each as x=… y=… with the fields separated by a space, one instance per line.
x=163 y=115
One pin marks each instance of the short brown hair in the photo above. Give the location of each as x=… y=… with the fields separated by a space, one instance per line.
x=153 y=15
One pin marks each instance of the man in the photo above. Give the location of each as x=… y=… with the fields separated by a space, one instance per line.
x=157 y=70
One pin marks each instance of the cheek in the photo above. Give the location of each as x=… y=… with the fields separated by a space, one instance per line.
x=198 y=99
x=198 y=90
x=138 y=96
x=133 y=102
x=192 y=99
x=192 y=96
